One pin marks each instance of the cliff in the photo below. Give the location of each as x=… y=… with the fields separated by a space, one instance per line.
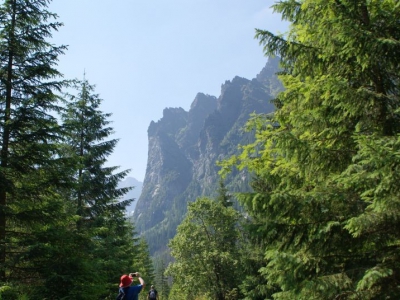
x=185 y=146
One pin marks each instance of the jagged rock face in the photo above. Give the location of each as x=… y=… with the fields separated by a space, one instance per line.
x=168 y=170
x=268 y=79
x=187 y=139
x=223 y=129
x=185 y=146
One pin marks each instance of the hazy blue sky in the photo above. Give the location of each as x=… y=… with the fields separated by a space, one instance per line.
x=146 y=55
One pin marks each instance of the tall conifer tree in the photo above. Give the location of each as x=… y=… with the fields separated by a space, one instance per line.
x=161 y=280
x=95 y=197
x=29 y=131
x=327 y=162
x=87 y=129
x=143 y=264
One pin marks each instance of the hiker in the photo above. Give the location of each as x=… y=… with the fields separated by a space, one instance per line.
x=153 y=295
x=126 y=290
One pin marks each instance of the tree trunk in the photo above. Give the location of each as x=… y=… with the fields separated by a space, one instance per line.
x=5 y=146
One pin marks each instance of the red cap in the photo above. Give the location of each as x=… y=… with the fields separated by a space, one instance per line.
x=125 y=281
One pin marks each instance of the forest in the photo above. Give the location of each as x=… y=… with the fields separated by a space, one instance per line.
x=321 y=221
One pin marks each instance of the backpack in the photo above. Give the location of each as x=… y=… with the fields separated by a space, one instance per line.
x=122 y=293
x=152 y=294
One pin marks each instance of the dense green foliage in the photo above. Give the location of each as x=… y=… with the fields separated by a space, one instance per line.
x=30 y=170
x=161 y=280
x=143 y=264
x=100 y=221
x=326 y=196
x=321 y=220
x=206 y=252
x=63 y=230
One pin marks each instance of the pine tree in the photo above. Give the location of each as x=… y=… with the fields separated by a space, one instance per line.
x=106 y=237
x=88 y=128
x=161 y=280
x=30 y=169
x=143 y=264
x=326 y=163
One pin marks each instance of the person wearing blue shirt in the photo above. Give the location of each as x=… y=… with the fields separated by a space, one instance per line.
x=126 y=290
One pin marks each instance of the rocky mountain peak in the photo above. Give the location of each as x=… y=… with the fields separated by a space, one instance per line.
x=185 y=146
x=268 y=77
x=201 y=102
x=173 y=119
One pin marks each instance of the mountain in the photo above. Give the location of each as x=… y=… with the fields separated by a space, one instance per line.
x=184 y=147
x=132 y=194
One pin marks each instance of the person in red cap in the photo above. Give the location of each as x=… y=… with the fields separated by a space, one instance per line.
x=126 y=290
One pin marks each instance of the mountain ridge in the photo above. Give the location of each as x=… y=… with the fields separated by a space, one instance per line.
x=184 y=147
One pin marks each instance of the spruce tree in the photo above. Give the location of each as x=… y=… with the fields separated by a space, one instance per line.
x=107 y=243
x=87 y=127
x=143 y=264
x=30 y=168
x=161 y=280
x=326 y=164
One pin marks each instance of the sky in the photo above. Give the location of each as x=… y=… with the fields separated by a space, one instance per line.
x=147 y=55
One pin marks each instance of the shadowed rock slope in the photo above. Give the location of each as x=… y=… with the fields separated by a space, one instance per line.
x=184 y=147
